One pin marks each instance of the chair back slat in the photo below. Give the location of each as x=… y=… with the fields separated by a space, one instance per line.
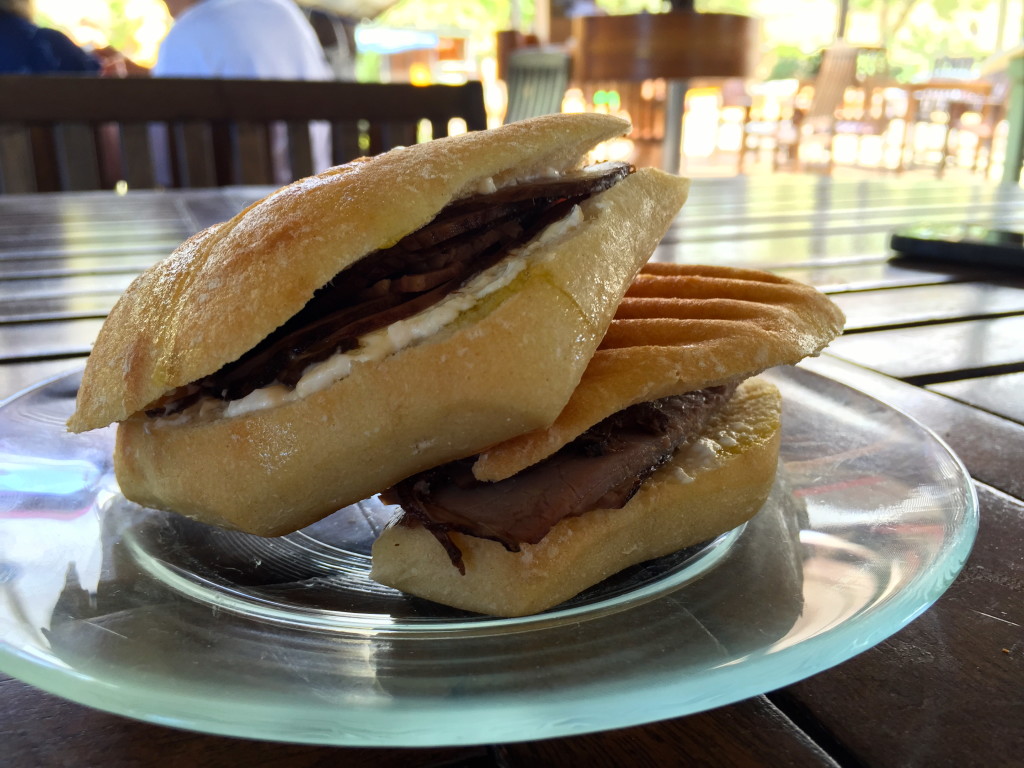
x=90 y=133
x=300 y=149
x=253 y=153
x=838 y=72
x=193 y=152
x=44 y=157
x=17 y=173
x=345 y=140
x=77 y=156
x=222 y=142
x=136 y=159
x=537 y=81
x=385 y=134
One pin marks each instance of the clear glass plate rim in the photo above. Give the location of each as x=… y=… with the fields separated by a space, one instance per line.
x=785 y=666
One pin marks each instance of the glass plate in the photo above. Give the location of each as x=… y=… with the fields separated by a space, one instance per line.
x=154 y=617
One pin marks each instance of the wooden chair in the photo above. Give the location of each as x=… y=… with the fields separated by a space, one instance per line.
x=66 y=133
x=537 y=80
x=832 y=112
x=942 y=106
x=771 y=123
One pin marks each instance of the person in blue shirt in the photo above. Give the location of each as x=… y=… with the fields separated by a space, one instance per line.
x=26 y=48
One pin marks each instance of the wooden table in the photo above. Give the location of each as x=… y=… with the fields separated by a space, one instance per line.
x=945 y=345
x=956 y=97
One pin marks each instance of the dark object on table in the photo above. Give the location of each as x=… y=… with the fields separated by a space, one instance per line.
x=968 y=244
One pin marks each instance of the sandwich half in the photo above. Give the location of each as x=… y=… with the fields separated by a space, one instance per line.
x=666 y=442
x=371 y=322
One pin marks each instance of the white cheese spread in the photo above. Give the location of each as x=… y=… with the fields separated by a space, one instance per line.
x=379 y=344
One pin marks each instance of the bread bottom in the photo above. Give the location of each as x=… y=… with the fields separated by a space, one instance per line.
x=712 y=485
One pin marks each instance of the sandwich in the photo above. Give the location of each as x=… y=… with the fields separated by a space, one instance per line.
x=669 y=440
x=358 y=327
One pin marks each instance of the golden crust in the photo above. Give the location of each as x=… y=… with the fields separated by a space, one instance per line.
x=680 y=328
x=231 y=285
x=713 y=485
x=506 y=367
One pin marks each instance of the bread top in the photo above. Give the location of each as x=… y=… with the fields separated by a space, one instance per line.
x=226 y=288
x=680 y=328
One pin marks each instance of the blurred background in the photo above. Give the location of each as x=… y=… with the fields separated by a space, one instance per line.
x=851 y=86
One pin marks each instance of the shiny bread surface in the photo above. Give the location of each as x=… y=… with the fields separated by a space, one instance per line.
x=680 y=328
x=713 y=484
x=229 y=286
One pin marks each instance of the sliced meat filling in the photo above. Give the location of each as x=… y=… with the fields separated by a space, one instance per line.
x=601 y=469
x=464 y=239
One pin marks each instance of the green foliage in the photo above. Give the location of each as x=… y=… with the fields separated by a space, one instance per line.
x=45 y=20
x=118 y=29
x=122 y=30
x=946 y=8
x=368 y=67
x=791 y=62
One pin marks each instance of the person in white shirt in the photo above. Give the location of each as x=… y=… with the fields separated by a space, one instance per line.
x=261 y=39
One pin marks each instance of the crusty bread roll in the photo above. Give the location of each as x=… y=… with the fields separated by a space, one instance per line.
x=713 y=484
x=226 y=288
x=680 y=328
x=504 y=366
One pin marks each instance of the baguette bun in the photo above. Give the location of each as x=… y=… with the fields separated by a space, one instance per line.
x=680 y=328
x=506 y=366
x=228 y=287
x=712 y=485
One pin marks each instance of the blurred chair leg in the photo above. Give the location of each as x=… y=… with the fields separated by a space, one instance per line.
x=944 y=152
x=672 y=146
x=990 y=146
x=741 y=160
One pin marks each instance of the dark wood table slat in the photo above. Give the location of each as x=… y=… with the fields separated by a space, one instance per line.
x=997 y=394
x=69 y=233
x=24 y=342
x=808 y=193
x=65 y=286
x=914 y=305
x=932 y=353
x=154 y=247
x=855 y=226
x=770 y=738
x=990 y=445
x=82 y=306
x=32 y=269
x=963 y=659
x=21 y=376
x=835 y=277
x=73 y=735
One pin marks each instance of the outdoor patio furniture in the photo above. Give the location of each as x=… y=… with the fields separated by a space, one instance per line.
x=948 y=108
x=63 y=133
x=648 y=60
x=848 y=99
x=537 y=79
